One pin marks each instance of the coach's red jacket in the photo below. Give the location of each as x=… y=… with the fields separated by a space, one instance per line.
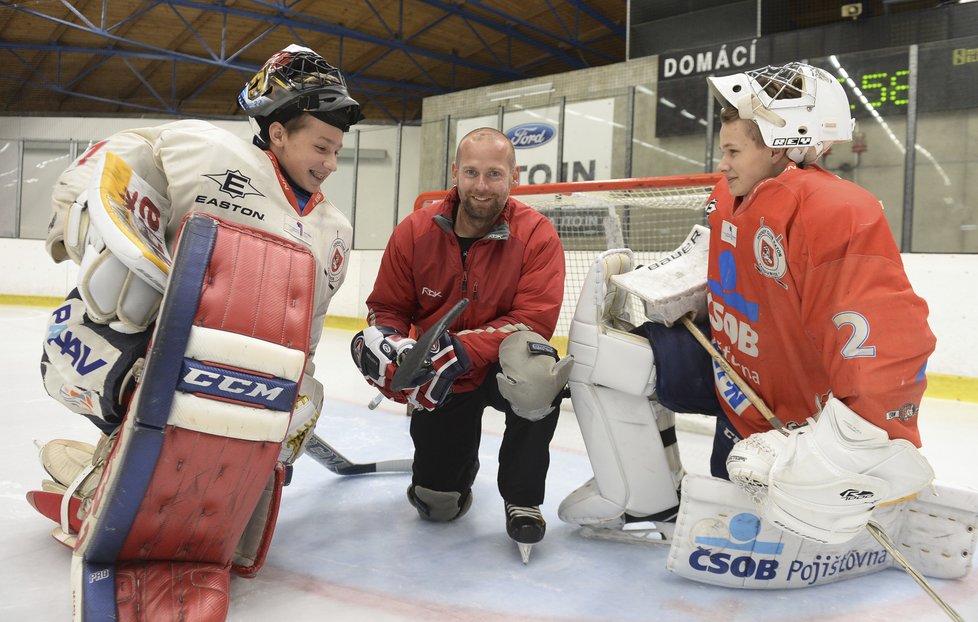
x=513 y=278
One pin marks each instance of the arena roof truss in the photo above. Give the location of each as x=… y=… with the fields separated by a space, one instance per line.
x=187 y=58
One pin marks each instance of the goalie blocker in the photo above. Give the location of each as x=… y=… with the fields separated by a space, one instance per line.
x=190 y=491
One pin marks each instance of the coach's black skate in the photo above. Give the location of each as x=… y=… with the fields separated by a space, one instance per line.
x=525 y=525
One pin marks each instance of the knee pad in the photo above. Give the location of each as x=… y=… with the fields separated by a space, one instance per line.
x=533 y=374
x=439 y=506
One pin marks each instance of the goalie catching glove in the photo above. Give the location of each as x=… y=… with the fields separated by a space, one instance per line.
x=376 y=351
x=822 y=481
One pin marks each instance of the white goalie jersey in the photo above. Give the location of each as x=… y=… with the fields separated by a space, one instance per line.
x=196 y=166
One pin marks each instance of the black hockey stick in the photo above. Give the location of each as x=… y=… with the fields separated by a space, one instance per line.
x=336 y=462
x=419 y=355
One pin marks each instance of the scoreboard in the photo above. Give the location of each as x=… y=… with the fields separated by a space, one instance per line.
x=947 y=79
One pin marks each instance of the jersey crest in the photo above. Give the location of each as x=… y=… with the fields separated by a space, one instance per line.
x=769 y=255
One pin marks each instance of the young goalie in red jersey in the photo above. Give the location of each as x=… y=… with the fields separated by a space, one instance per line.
x=808 y=299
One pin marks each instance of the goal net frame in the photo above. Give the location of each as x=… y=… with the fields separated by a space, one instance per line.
x=649 y=215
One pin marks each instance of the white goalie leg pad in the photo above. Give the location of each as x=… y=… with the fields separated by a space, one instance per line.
x=940 y=530
x=632 y=473
x=827 y=480
x=720 y=539
x=611 y=383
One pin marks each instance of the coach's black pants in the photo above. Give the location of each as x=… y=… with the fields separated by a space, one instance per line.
x=446 y=445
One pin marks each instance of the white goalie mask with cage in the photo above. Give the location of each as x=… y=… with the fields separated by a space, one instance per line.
x=796 y=106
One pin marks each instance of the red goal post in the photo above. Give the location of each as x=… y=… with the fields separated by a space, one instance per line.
x=650 y=215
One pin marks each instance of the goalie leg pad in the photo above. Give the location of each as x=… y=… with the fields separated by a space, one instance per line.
x=632 y=471
x=611 y=383
x=720 y=540
x=153 y=590
x=203 y=436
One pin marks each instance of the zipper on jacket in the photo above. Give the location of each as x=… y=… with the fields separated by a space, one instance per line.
x=465 y=282
x=475 y=292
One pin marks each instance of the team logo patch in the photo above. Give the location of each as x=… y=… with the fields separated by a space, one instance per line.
x=337 y=257
x=83 y=400
x=234 y=184
x=769 y=254
x=904 y=413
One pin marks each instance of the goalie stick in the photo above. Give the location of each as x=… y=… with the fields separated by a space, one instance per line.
x=336 y=462
x=413 y=360
x=872 y=527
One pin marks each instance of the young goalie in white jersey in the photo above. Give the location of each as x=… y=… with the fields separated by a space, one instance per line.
x=97 y=340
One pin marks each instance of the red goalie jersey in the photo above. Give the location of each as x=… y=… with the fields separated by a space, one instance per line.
x=808 y=297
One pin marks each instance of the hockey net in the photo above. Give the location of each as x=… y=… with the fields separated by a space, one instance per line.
x=649 y=215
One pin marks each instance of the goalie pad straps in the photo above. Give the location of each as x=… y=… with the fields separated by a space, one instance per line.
x=720 y=540
x=220 y=382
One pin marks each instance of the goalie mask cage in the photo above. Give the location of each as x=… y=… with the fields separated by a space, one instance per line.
x=650 y=215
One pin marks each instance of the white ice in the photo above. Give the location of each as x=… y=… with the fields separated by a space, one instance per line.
x=351 y=548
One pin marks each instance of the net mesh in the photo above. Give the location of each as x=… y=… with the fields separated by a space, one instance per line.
x=651 y=216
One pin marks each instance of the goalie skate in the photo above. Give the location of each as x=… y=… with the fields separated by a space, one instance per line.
x=75 y=469
x=654 y=529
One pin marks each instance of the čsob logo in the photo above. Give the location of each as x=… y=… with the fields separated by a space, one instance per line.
x=529 y=135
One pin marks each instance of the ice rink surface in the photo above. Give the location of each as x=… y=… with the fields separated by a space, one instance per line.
x=351 y=548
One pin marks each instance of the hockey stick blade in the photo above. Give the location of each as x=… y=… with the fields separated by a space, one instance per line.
x=336 y=462
x=420 y=354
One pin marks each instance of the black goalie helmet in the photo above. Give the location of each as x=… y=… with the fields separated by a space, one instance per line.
x=294 y=81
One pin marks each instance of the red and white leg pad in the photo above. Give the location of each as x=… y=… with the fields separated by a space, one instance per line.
x=197 y=455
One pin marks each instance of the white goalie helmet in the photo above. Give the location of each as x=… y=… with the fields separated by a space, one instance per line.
x=796 y=107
